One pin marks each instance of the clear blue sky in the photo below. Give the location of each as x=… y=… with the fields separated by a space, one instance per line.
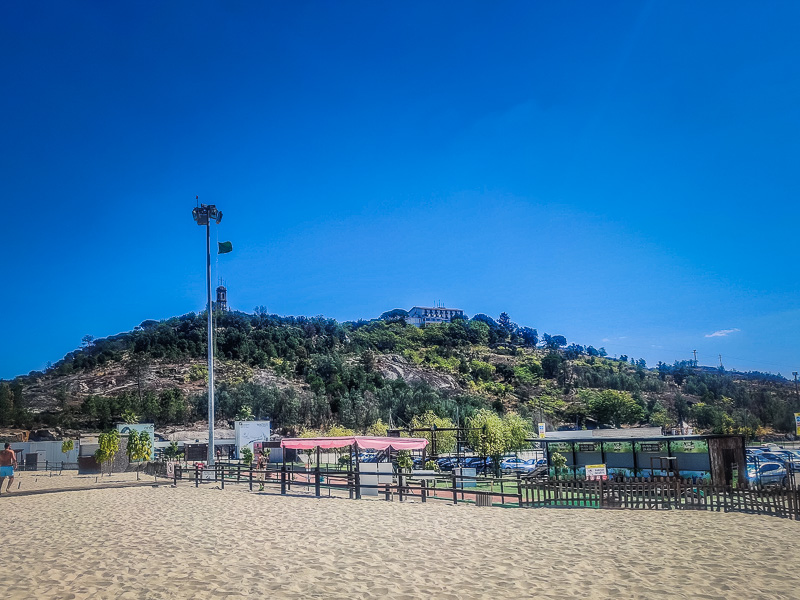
x=622 y=173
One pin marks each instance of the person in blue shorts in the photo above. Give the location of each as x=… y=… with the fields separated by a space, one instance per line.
x=8 y=460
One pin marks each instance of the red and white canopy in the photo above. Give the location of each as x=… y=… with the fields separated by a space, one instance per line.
x=361 y=441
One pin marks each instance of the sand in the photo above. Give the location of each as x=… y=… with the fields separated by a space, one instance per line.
x=163 y=542
x=39 y=481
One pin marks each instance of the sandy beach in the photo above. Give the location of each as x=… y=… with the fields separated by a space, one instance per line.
x=163 y=542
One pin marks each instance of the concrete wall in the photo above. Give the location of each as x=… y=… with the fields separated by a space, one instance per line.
x=51 y=451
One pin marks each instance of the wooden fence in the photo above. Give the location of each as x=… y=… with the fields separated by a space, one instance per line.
x=666 y=494
x=634 y=494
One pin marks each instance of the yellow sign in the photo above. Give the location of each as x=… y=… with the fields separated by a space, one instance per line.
x=797 y=423
x=596 y=472
x=541 y=429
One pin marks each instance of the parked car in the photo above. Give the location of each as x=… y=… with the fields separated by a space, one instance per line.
x=789 y=459
x=534 y=463
x=778 y=457
x=512 y=465
x=446 y=463
x=767 y=474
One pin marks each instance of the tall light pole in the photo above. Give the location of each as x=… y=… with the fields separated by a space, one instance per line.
x=203 y=215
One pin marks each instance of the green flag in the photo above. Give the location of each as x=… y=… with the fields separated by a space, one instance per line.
x=224 y=247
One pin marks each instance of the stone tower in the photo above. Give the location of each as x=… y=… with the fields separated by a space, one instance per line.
x=222 y=297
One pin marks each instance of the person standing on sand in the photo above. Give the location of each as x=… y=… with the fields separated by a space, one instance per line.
x=260 y=466
x=8 y=460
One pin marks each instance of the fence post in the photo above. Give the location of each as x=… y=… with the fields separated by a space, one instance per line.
x=283 y=479
x=196 y=476
x=239 y=474
x=401 y=484
x=455 y=490
x=316 y=480
x=175 y=475
x=358 y=483
x=222 y=474
x=519 y=490
x=424 y=490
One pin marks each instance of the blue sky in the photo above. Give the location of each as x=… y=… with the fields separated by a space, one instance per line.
x=622 y=173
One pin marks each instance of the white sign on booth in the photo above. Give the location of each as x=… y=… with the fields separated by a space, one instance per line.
x=149 y=428
x=248 y=432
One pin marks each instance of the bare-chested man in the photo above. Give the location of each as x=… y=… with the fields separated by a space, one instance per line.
x=8 y=460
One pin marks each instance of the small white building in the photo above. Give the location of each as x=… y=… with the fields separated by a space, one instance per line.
x=424 y=315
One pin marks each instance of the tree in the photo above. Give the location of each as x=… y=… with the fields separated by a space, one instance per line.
x=613 y=407
x=516 y=431
x=172 y=451
x=558 y=341
x=172 y=406
x=378 y=429
x=478 y=332
x=482 y=370
x=128 y=416
x=6 y=404
x=67 y=446
x=108 y=448
x=530 y=337
x=486 y=435
x=405 y=463
x=506 y=324
x=396 y=315
x=247 y=455
x=559 y=463
x=245 y=414
x=445 y=441
x=551 y=364
x=139 y=448
x=87 y=340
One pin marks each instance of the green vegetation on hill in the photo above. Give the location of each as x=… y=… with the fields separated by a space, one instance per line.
x=334 y=372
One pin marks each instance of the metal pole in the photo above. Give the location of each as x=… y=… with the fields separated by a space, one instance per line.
x=210 y=350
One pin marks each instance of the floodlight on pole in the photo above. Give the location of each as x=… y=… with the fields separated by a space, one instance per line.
x=203 y=215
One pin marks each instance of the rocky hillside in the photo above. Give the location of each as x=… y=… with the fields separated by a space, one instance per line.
x=311 y=372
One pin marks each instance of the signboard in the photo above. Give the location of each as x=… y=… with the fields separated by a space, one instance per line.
x=797 y=423
x=149 y=428
x=596 y=472
x=588 y=447
x=618 y=447
x=656 y=447
x=735 y=476
x=248 y=432
x=542 y=429
x=559 y=447
x=689 y=446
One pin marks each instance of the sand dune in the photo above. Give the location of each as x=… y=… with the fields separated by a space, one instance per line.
x=157 y=543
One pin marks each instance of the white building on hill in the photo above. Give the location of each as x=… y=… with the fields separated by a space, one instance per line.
x=424 y=315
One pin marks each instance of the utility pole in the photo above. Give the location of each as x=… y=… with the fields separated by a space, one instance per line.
x=720 y=361
x=796 y=396
x=695 y=357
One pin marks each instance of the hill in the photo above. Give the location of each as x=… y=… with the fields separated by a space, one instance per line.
x=312 y=372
